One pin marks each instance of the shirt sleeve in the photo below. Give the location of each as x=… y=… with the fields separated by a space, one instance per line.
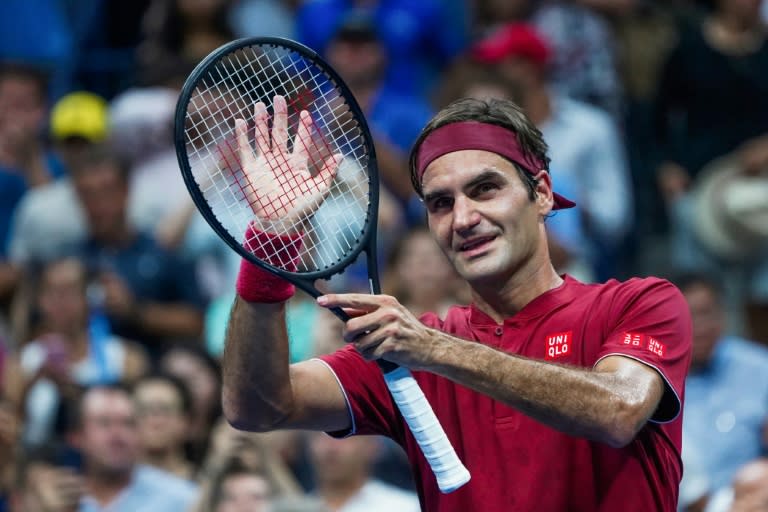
x=654 y=327
x=371 y=406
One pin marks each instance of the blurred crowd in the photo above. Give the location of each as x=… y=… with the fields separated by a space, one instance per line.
x=114 y=293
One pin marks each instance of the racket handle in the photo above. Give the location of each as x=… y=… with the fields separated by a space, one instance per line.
x=448 y=469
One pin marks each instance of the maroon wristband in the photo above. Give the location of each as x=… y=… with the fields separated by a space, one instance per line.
x=255 y=284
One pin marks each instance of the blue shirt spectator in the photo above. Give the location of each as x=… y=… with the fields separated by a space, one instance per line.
x=151 y=489
x=419 y=36
x=726 y=405
x=12 y=188
x=726 y=395
x=153 y=274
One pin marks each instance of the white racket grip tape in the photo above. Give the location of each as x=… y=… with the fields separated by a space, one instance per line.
x=449 y=471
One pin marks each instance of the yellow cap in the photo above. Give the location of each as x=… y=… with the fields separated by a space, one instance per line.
x=80 y=114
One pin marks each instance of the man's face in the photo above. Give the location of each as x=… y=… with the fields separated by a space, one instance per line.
x=108 y=437
x=103 y=194
x=22 y=110
x=62 y=298
x=161 y=420
x=482 y=216
x=244 y=493
x=360 y=63
x=707 y=317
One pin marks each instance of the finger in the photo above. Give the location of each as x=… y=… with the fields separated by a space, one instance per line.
x=228 y=154
x=280 y=125
x=360 y=301
x=356 y=328
x=261 y=129
x=303 y=141
x=241 y=137
x=367 y=345
x=352 y=312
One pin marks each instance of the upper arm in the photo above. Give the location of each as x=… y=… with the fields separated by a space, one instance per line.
x=653 y=329
x=640 y=384
x=319 y=400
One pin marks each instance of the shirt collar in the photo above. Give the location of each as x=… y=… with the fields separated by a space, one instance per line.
x=541 y=305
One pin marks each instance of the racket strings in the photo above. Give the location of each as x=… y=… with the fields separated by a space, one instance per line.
x=236 y=185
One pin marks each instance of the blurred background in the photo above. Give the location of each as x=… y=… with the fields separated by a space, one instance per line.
x=114 y=293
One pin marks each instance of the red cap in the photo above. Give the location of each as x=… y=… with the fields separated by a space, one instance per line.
x=513 y=40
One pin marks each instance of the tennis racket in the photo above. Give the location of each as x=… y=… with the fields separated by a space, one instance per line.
x=316 y=178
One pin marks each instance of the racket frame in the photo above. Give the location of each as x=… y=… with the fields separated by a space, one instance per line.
x=365 y=243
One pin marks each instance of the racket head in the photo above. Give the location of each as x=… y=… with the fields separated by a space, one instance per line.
x=224 y=87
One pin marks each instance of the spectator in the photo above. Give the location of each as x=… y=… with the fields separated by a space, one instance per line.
x=39 y=33
x=23 y=109
x=24 y=160
x=48 y=479
x=356 y=50
x=49 y=221
x=419 y=37
x=747 y=493
x=201 y=374
x=716 y=74
x=183 y=28
x=583 y=141
x=163 y=410
x=342 y=469
x=720 y=227
x=149 y=294
x=711 y=105
x=105 y=433
x=69 y=350
x=421 y=275
x=584 y=61
x=726 y=402
x=141 y=127
x=238 y=488
x=257 y=452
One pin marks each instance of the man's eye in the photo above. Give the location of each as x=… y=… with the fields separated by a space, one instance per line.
x=440 y=203
x=485 y=187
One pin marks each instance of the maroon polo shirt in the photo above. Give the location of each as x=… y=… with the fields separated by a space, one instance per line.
x=516 y=462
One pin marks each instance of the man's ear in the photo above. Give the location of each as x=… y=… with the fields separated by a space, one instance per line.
x=544 y=197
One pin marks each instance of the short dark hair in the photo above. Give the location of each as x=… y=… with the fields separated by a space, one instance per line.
x=500 y=112
x=179 y=385
x=73 y=408
x=234 y=466
x=26 y=71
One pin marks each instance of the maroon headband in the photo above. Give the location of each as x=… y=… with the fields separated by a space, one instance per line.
x=475 y=135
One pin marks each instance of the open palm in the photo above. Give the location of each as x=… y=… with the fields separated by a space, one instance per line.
x=279 y=184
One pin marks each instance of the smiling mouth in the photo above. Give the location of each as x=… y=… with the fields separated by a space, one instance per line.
x=475 y=244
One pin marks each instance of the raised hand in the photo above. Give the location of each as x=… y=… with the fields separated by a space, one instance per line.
x=279 y=185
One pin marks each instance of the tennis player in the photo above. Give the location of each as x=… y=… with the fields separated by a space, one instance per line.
x=557 y=395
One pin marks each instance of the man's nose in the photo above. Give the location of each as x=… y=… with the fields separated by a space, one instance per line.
x=465 y=214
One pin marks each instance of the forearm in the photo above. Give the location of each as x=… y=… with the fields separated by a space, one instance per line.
x=257 y=388
x=580 y=402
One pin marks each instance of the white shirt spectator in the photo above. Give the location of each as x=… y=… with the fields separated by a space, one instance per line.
x=151 y=490
x=376 y=496
x=584 y=144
